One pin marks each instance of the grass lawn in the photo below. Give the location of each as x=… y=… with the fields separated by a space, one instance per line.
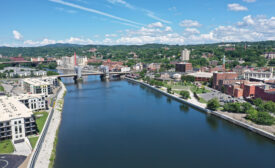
x=33 y=141
x=201 y=100
x=6 y=147
x=1 y=88
x=41 y=118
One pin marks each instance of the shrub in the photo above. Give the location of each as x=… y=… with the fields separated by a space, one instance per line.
x=213 y=104
x=185 y=94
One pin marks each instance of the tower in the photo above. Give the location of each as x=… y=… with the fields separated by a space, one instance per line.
x=223 y=63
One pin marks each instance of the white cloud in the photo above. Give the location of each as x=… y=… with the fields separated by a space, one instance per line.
x=236 y=7
x=110 y=35
x=192 y=31
x=156 y=24
x=46 y=41
x=17 y=35
x=249 y=1
x=189 y=23
x=122 y=2
x=94 y=11
x=168 y=29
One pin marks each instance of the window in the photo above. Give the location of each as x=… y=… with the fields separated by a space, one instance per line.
x=15 y=122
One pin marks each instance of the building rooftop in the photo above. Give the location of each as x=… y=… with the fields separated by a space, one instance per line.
x=201 y=74
x=28 y=96
x=10 y=108
x=35 y=81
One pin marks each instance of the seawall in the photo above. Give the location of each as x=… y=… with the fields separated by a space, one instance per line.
x=215 y=113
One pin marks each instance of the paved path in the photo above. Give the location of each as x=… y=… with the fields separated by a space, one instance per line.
x=43 y=159
x=22 y=148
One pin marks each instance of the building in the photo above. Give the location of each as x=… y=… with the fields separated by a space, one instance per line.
x=153 y=67
x=249 y=89
x=270 y=55
x=125 y=69
x=70 y=62
x=16 y=120
x=257 y=75
x=217 y=76
x=38 y=59
x=265 y=92
x=22 y=72
x=17 y=59
x=34 y=102
x=138 y=67
x=201 y=76
x=184 y=67
x=36 y=86
x=185 y=55
x=50 y=79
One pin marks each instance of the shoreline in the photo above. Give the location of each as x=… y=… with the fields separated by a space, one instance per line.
x=215 y=113
x=42 y=153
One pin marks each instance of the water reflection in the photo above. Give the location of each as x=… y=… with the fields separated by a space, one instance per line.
x=151 y=91
x=184 y=108
x=213 y=123
x=169 y=100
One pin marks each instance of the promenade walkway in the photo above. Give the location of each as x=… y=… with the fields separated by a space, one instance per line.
x=43 y=159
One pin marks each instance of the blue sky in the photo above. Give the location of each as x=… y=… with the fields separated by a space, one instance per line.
x=111 y=22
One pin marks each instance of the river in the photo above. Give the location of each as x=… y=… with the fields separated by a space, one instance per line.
x=120 y=124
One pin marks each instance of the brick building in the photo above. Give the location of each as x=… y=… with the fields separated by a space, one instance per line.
x=184 y=67
x=217 y=76
x=265 y=92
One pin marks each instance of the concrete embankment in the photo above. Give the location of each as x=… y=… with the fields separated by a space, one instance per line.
x=43 y=150
x=216 y=113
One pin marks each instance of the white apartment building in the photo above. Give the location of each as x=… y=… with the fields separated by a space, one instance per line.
x=258 y=75
x=36 y=86
x=125 y=69
x=185 y=55
x=16 y=120
x=35 y=102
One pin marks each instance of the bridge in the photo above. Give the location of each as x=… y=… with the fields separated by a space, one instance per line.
x=103 y=75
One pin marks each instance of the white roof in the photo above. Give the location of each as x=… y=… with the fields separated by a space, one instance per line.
x=35 y=81
x=10 y=108
x=201 y=74
x=28 y=96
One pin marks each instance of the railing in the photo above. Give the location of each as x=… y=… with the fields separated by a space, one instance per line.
x=42 y=136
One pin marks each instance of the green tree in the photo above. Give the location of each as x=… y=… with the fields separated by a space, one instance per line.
x=213 y=104
x=51 y=73
x=185 y=94
x=169 y=90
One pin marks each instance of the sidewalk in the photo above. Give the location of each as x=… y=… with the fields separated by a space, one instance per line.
x=43 y=159
x=22 y=148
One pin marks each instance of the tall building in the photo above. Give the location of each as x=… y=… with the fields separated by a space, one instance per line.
x=185 y=55
x=184 y=67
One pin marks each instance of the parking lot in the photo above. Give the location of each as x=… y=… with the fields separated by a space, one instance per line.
x=223 y=98
x=11 y=161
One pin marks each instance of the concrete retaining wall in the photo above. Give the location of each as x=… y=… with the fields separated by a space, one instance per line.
x=223 y=116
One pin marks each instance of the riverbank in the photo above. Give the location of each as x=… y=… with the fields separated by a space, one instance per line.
x=226 y=116
x=41 y=155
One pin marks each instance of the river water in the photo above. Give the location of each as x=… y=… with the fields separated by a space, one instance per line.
x=120 y=124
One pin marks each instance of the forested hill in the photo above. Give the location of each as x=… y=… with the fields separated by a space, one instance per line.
x=148 y=52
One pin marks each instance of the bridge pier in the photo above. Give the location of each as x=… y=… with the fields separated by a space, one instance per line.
x=105 y=77
x=77 y=79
